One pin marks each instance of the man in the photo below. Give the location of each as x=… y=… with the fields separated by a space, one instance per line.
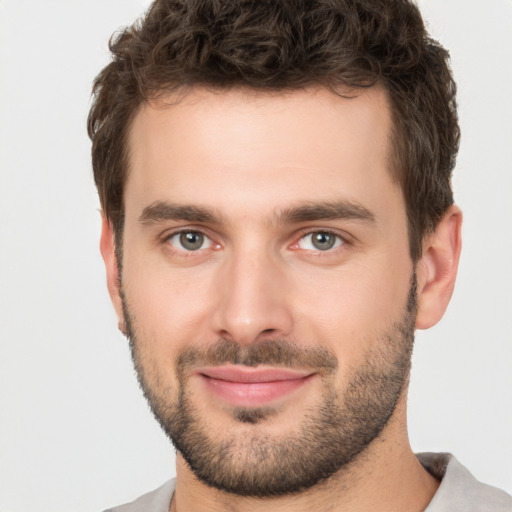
x=277 y=221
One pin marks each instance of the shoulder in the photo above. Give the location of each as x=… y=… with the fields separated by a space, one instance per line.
x=154 y=501
x=459 y=489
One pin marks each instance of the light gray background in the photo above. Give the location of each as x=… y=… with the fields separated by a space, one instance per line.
x=75 y=433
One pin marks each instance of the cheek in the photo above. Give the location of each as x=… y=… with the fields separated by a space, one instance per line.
x=350 y=307
x=169 y=307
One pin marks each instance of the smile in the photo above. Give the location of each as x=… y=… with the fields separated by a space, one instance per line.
x=252 y=387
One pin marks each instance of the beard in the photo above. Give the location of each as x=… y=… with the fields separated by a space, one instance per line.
x=248 y=459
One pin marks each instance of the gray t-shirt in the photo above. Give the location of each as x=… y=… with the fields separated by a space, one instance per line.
x=459 y=491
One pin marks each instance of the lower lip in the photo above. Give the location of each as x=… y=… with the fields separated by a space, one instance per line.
x=253 y=394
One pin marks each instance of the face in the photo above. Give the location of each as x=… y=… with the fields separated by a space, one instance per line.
x=267 y=288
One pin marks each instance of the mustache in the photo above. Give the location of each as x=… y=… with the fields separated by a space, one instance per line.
x=267 y=352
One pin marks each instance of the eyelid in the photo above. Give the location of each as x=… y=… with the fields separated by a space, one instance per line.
x=343 y=238
x=168 y=235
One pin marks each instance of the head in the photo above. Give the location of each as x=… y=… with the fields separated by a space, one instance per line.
x=275 y=180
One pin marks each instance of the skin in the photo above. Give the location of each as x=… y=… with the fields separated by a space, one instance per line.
x=248 y=157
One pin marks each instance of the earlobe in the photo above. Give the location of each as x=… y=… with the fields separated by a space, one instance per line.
x=437 y=269
x=107 y=248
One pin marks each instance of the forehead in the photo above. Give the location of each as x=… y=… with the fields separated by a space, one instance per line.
x=238 y=148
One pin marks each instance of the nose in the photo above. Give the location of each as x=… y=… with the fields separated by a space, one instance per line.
x=252 y=299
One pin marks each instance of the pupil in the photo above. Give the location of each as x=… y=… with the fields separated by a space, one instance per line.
x=323 y=241
x=191 y=241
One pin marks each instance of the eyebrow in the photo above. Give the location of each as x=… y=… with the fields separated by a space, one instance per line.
x=160 y=211
x=335 y=210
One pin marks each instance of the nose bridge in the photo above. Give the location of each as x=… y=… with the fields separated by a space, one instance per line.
x=252 y=296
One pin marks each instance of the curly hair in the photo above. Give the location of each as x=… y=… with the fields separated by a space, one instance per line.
x=281 y=45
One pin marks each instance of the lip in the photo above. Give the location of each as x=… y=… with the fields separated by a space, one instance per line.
x=252 y=387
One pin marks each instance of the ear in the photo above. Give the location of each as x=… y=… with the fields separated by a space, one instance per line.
x=107 y=248
x=437 y=269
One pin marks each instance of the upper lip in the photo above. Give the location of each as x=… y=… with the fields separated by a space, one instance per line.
x=245 y=374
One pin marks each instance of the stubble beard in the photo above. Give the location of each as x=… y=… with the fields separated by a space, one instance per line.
x=334 y=434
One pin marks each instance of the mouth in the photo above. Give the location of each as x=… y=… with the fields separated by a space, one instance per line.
x=242 y=386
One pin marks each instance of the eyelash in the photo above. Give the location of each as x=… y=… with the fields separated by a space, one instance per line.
x=341 y=241
x=167 y=240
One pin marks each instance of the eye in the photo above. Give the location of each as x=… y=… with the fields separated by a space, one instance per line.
x=320 y=241
x=190 y=241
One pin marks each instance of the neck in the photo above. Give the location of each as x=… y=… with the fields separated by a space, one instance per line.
x=385 y=477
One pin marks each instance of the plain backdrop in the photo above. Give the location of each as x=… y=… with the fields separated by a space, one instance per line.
x=75 y=432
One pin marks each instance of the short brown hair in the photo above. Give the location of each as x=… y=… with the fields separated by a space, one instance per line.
x=286 y=44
